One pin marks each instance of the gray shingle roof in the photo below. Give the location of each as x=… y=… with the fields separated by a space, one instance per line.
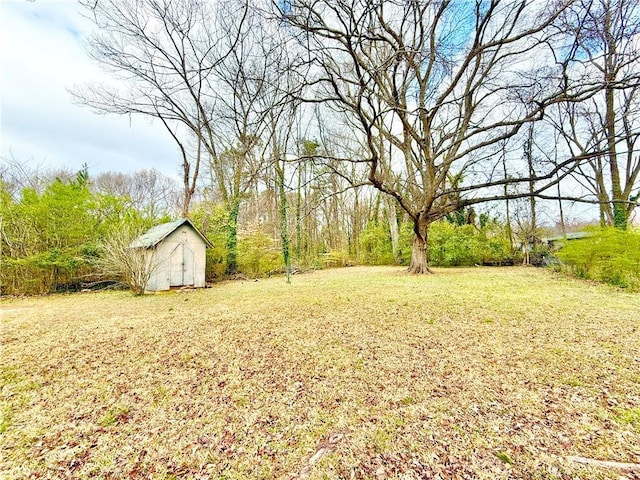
x=570 y=236
x=158 y=233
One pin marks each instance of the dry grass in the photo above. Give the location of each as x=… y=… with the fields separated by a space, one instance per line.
x=352 y=373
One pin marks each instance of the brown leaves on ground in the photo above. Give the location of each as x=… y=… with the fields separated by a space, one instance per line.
x=362 y=373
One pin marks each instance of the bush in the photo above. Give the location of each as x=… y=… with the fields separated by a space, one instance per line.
x=610 y=255
x=453 y=245
x=375 y=245
x=494 y=245
x=332 y=259
x=212 y=221
x=258 y=255
x=131 y=266
x=49 y=239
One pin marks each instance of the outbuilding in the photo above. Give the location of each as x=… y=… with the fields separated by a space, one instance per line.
x=178 y=255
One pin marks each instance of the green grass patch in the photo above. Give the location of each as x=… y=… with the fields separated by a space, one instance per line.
x=6 y=418
x=630 y=416
x=115 y=415
x=504 y=458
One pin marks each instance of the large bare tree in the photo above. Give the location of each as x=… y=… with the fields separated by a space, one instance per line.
x=165 y=54
x=435 y=87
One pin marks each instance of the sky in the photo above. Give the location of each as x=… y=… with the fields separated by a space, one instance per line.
x=42 y=56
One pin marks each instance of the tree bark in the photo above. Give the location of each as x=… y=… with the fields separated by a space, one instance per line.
x=232 y=238
x=506 y=196
x=392 y=215
x=284 y=231
x=532 y=198
x=561 y=211
x=619 y=206
x=299 y=217
x=419 y=258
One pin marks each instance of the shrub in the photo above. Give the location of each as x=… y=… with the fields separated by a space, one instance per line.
x=494 y=245
x=610 y=255
x=49 y=239
x=405 y=243
x=333 y=258
x=375 y=245
x=258 y=255
x=212 y=221
x=453 y=245
x=131 y=266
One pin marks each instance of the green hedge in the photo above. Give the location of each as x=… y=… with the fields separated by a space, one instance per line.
x=453 y=245
x=50 y=240
x=375 y=245
x=609 y=255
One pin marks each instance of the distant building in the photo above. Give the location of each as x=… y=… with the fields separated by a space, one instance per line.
x=179 y=255
x=560 y=239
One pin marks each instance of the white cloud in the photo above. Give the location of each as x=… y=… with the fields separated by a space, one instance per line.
x=41 y=56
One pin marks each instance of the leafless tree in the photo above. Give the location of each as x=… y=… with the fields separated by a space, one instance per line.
x=17 y=174
x=150 y=192
x=248 y=83
x=606 y=50
x=439 y=84
x=165 y=54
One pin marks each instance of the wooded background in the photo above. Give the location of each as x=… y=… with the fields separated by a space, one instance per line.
x=329 y=133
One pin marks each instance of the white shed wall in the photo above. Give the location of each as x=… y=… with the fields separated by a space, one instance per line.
x=161 y=277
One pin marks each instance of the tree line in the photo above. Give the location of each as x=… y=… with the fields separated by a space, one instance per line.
x=58 y=227
x=309 y=116
x=439 y=104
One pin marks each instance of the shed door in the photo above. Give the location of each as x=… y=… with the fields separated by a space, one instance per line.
x=182 y=266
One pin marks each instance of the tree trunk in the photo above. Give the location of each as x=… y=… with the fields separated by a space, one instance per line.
x=188 y=182
x=603 y=218
x=506 y=195
x=284 y=233
x=299 y=216
x=620 y=218
x=561 y=209
x=393 y=229
x=532 y=199
x=232 y=239
x=356 y=222
x=186 y=197
x=620 y=215
x=419 y=260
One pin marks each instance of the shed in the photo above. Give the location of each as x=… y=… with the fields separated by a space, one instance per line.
x=558 y=240
x=179 y=255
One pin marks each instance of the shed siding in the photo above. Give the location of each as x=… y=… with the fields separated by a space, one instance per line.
x=162 y=276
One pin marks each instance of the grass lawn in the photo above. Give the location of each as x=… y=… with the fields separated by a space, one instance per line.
x=351 y=373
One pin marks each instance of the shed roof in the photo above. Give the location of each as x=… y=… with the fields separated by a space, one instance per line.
x=569 y=236
x=158 y=233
